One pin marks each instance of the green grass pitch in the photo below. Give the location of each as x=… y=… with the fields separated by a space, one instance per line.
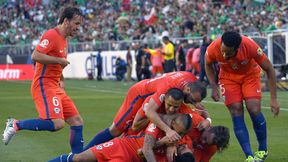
x=98 y=102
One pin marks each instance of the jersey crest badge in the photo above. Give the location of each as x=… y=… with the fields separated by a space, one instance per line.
x=57 y=110
x=98 y=147
x=234 y=66
x=259 y=51
x=152 y=127
x=44 y=43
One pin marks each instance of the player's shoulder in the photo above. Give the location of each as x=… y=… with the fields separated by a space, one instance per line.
x=247 y=41
x=51 y=33
x=215 y=44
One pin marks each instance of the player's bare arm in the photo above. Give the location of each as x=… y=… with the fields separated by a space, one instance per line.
x=61 y=82
x=211 y=77
x=268 y=68
x=139 y=123
x=200 y=108
x=151 y=113
x=171 y=152
x=46 y=59
x=149 y=143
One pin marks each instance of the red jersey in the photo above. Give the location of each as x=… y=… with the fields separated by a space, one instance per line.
x=247 y=60
x=201 y=152
x=160 y=85
x=183 y=107
x=52 y=43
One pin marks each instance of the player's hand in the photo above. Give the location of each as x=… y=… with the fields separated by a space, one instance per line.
x=215 y=94
x=203 y=125
x=62 y=84
x=173 y=135
x=63 y=62
x=171 y=152
x=275 y=107
x=140 y=154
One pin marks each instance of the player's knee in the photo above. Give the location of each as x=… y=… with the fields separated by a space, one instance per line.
x=75 y=120
x=254 y=111
x=80 y=158
x=236 y=109
x=58 y=124
x=114 y=131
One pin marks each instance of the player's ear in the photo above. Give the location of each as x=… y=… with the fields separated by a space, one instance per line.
x=65 y=21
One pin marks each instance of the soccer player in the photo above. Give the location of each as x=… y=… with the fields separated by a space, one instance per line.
x=240 y=60
x=194 y=92
x=171 y=103
x=205 y=143
x=126 y=148
x=53 y=104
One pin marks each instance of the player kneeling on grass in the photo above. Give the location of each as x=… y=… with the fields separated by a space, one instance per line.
x=126 y=148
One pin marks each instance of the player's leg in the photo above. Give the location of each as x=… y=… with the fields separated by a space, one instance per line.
x=233 y=100
x=50 y=117
x=123 y=118
x=86 y=156
x=252 y=95
x=73 y=118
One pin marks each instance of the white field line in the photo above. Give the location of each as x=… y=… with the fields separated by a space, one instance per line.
x=121 y=92
x=93 y=88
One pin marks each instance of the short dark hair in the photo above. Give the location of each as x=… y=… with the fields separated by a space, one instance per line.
x=198 y=87
x=185 y=120
x=69 y=13
x=165 y=38
x=221 y=138
x=231 y=39
x=188 y=156
x=175 y=93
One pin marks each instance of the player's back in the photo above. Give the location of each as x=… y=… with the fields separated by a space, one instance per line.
x=169 y=80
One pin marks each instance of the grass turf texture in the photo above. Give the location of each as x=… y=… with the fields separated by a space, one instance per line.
x=98 y=102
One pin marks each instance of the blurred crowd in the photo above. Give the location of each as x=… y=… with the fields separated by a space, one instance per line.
x=23 y=21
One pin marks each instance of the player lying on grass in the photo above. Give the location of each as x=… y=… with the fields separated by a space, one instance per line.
x=204 y=143
x=194 y=93
x=152 y=141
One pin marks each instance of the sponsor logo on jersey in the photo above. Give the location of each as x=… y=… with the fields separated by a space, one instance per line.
x=57 y=110
x=44 y=43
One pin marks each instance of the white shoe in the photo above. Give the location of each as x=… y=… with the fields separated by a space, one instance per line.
x=9 y=131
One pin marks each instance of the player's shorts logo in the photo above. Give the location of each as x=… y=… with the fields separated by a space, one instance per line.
x=44 y=43
x=98 y=147
x=57 y=110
